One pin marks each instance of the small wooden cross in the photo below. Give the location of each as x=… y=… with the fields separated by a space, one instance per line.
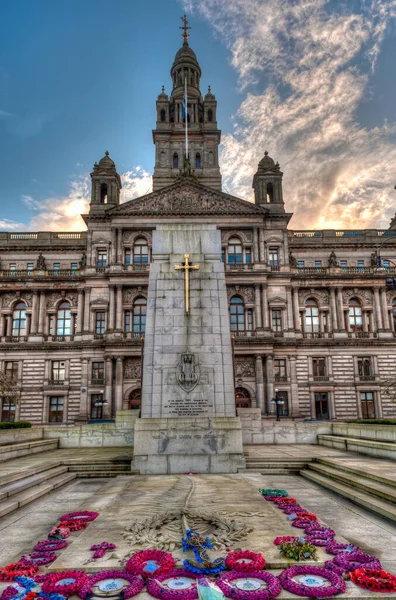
x=187 y=267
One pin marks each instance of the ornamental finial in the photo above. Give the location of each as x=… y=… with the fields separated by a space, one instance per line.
x=185 y=27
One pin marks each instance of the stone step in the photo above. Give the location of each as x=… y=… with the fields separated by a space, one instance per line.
x=271 y=471
x=276 y=460
x=360 y=482
x=18 y=500
x=369 y=447
x=27 y=482
x=348 y=469
x=380 y=507
x=104 y=473
x=9 y=451
x=26 y=472
x=100 y=467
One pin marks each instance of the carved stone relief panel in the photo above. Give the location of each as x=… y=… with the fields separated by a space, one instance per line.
x=321 y=296
x=130 y=293
x=132 y=368
x=244 y=368
x=365 y=296
x=245 y=291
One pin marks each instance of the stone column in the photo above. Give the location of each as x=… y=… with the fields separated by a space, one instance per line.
x=259 y=382
x=113 y=256
x=269 y=365
x=321 y=323
x=109 y=384
x=340 y=312
x=261 y=245
x=302 y=319
x=333 y=309
x=89 y=249
x=119 y=308
x=264 y=305
x=80 y=311
x=256 y=257
x=2 y=325
x=87 y=309
x=294 y=403
x=296 y=310
x=257 y=306
x=384 y=303
x=120 y=257
x=119 y=382
x=9 y=325
x=289 y=307
x=41 y=313
x=111 y=307
x=377 y=308
x=371 y=321
x=84 y=408
x=34 y=321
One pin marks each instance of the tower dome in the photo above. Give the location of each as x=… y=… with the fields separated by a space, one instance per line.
x=267 y=164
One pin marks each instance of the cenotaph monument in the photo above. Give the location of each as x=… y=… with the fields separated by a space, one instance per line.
x=188 y=421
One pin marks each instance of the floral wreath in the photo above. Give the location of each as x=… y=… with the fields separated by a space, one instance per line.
x=315 y=527
x=285 y=538
x=59 y=533
x=135 y=587
x=273 y=493
x=51 y=585
x=337 y=583
x=236 y=561
x=156 y=590
x=50 y=545
x=301 y=523
x=74 y=524
x=272 y=591
x=350 y=561
x=39 y=558
x=138 y=561
x=283 y=500
x=334 y=547
x=27 y=593
x=86 y=515
x=13 y=570
x=374 y=580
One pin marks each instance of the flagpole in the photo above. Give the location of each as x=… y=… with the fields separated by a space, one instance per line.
x=186 y=113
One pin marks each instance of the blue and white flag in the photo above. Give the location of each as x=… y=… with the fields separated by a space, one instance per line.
x=184 y=102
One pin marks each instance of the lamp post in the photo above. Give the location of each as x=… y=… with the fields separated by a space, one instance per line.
x=278 y=402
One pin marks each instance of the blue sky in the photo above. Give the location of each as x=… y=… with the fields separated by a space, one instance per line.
x=314 y=86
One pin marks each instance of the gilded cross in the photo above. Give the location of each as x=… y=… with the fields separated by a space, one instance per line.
x=185 y=35
x=187 y=267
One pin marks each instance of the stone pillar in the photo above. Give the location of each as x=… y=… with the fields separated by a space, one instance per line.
x=2 y=325
x=296 y=311
x=371 y=321
x=89 y=249
x=333 y=309
x=346 y=320
x=87 y=309
x=289 y=306
x=84 y=408
x=269 y=365
x=257 y=306
x=109 y=384
x=113 y=256
x=120 y=258
x=41 y=313
x=259 y=382
x=256 y=257
x=377 y=308
x=111 y=307
x=302 y=319
x=264 y=305
x=321 y=322
x=384 y=303
x=261 y=245
x=9 y=325
x=119 y=382
x=80 y=311
x=340 y=312
x=119 y=308
x=294 y=403
x=34 y=321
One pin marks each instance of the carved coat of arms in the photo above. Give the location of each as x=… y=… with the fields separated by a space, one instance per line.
x=187 y=372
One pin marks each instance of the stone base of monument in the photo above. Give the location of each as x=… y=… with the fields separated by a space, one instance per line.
x=193 y=445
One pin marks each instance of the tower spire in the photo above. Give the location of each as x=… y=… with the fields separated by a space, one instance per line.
x=185 y=35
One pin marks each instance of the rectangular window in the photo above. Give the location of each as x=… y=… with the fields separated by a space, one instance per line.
x=248 y=253
x=319 y=367
x=12 y=266
x=11 y=370
x=249 y=313
x=280 y=369
x=318 y=264
x=277 y=320
x=30 y=266
x=100 y=322
x=364 y=366
x=128 y=256
x=56 y=409
x=74 y=268
x=321 y=405
x=56 y=266
x=300 y=264
x=97 y=372
x=102 y=258
x=127 y=320
x=8 y=411
x=360 y=264
x=367 y=405
x=58 y=371
x=96 y=406
x=273 y=257
x=343 y=264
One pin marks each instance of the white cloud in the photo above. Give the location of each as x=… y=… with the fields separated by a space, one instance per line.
x=8 y=225
x=311 y=63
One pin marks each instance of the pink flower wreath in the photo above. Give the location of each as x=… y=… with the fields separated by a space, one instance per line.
x=135 y=587
x=272 y=590
x=245 y=561
x=299 y=589
x=136 y=564
x=86 y=515
x=51 y=585
x=156 y=590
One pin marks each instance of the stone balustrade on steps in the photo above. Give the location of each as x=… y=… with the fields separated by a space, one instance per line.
x=361 y=445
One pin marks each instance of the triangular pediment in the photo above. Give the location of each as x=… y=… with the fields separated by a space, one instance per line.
x=186 y=197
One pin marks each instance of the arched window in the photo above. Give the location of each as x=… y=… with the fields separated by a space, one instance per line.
x=19 y=320
x=270 y=192
x=210 y=115
x=175 y=161
x=237 y=314
x=103 y=193
x=234 y=251
x=134 y=402
x=63 y=319
x=139 y=315
x=140 y=252
x=394 y=313
x=197 y=160
x=355 y=315
x=242 y=398
x=311 y=316
x=163 y=115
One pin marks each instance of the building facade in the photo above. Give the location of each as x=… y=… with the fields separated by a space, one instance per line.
x=312 y=318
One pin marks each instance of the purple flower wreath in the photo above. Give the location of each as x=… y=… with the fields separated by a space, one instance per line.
x=156 y=590
x=272 y=590
x=135 y=587
x=39 y=558
x=334 y=547
x=86 y=515
x=50 y=545
x=299 y=589
x=52 y=582
x=350 y=561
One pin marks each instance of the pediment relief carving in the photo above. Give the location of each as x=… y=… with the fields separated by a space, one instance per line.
x=244 y=291
x=277 y=300
x=321 y=297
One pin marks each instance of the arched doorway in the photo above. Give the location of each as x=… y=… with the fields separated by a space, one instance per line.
x=134 y=402
x=242 y=398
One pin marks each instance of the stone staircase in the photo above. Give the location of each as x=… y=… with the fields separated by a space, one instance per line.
x=367 y=489
x=377 y=448
x=275 y=466
x=18 y=449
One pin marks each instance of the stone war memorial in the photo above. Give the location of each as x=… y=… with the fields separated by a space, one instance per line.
x=208 y=389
